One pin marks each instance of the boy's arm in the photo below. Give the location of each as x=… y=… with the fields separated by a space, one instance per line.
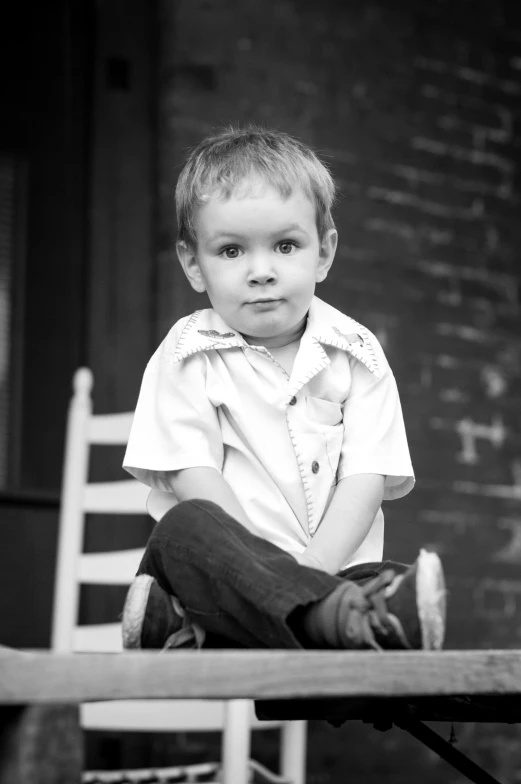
x=344 y=526
x=207 y=483
x=346 y=523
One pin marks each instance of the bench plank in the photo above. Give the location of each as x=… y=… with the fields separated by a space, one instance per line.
x=45 y=677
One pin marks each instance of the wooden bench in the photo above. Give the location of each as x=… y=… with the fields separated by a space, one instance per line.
x=39 y=692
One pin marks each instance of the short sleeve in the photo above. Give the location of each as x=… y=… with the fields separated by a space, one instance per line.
x=175 y=425
x=375 y=441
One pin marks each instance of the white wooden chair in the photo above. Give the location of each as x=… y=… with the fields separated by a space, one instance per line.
x=235 y=718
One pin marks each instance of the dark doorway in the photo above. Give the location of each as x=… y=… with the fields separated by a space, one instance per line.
x=76 y=117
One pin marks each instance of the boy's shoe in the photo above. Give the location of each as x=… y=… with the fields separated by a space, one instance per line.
x=408 y=610
x=152 y=618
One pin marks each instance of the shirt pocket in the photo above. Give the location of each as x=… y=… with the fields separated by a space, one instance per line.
x=324 y=412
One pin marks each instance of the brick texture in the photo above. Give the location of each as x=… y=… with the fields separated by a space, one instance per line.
x=418 y=113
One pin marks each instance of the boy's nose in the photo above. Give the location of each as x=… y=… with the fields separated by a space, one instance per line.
x=261 y=272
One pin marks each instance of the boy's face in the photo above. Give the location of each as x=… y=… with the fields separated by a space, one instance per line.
x=259 y=258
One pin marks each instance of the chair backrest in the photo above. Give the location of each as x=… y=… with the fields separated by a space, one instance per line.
x=79 y=498
x=74 y=568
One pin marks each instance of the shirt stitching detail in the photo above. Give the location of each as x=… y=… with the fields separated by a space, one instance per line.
x=278 y=365
x=181 y=353
x=307 y=491
x=182 y=337
x=310 y=507
x=368 y=343
x=303 y=381
x=371 y=361
x=214 y=346
x=263 y=350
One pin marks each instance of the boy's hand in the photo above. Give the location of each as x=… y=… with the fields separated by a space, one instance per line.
x=347 y=521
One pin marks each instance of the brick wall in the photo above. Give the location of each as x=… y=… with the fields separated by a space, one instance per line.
x=418 y=113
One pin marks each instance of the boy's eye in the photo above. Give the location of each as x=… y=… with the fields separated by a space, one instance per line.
x=231 y=252
x=286 y=247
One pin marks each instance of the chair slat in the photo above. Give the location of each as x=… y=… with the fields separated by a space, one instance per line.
x=109 y=428
x=97 y=638
x=127 y=496
x=209 y=772
x=155 y=715
x=161 y=715
x=117 y=567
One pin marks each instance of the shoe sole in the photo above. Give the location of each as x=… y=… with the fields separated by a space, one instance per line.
x=134 y=611
x=431 y=600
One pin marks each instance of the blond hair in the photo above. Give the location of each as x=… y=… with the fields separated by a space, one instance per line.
x=221 y=163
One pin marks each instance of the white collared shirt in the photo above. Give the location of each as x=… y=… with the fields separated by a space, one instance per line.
x=282 y=443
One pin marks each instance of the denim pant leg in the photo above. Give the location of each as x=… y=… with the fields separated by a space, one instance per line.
x=235 y=585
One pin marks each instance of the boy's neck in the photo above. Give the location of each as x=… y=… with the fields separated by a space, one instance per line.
x=278 y=341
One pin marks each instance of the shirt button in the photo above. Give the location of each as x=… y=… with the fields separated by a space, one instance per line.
x=293 y=401
x=315 y=467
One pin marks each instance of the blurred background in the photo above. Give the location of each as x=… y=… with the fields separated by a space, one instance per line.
x=417 y=109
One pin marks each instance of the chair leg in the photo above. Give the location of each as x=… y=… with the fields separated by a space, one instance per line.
x=236 y=742
x=293 y=751
x=40 y=743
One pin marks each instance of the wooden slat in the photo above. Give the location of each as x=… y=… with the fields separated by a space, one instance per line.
x=160 y=716
x=124 y=497
x=50 y=677
x=98 y=638
x=118 y=567
x=155 y=715
x=110 y=428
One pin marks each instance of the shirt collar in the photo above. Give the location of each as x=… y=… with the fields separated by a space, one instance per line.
x=205 y=330
x=330 y=327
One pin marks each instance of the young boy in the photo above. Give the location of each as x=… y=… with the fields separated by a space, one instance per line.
x=270 y=430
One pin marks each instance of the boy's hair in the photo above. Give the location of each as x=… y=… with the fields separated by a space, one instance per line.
x=222 y=162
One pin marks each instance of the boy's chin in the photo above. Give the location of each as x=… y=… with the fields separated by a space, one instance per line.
x=270 y=337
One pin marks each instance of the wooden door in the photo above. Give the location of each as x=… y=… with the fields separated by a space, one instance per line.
x=76 y=258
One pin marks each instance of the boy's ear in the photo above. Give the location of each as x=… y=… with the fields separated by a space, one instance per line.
x=191 y=268
x=326 y=254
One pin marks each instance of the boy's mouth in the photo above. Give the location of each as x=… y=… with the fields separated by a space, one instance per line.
x=264 y=303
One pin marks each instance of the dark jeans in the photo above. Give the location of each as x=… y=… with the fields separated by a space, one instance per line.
x=242 y=590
